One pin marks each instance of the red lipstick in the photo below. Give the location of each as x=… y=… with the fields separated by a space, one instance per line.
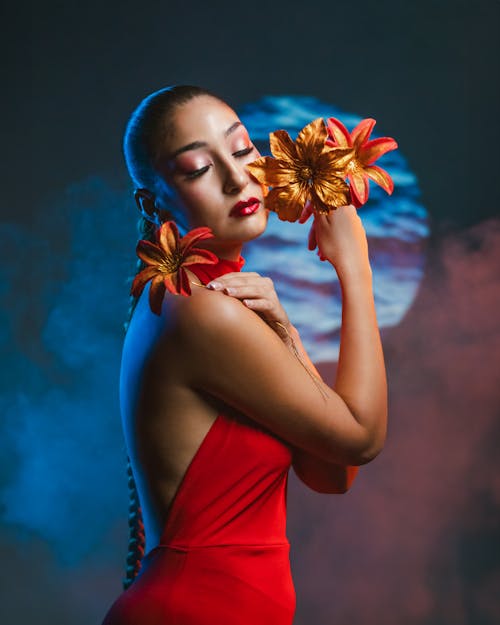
x=245 y=207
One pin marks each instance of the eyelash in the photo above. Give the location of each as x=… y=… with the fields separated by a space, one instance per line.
x=199 y=172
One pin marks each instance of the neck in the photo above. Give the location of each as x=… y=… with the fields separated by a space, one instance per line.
x=229 y=251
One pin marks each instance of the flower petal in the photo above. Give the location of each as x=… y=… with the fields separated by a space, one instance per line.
x=354 y=200
x=199 y=256
x=171 y=281
x=372 y=150
x=282 y=146
x=288 y=201
x=141 y=279
x=360 y=187
x=194 y=235
x=362 y=131
x=183 y=286
x=258 y=168
x=149 y=252
x=335 y=159
x=311 y=141
x=330 y=192
x=156 y=293
x=168 y=237
x=381 y=177
x=272 y=172
x=338 y=132
x=319 y=207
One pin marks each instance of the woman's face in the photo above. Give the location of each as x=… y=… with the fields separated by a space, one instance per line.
x=203 y=163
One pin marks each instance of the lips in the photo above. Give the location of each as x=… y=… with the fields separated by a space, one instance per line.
x=246 y=207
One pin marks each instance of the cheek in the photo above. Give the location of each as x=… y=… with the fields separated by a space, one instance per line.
x=201 y=202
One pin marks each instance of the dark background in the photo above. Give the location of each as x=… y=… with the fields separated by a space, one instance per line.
x=428 y=69
x=416 y=542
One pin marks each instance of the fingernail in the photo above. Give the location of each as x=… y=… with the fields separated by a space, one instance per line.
x=214 y=285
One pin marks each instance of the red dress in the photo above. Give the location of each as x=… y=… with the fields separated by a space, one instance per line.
x=223 y=556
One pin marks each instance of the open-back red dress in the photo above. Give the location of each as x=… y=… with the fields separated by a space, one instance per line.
x=223 y=556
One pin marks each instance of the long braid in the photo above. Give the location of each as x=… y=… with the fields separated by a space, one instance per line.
x=137 y=538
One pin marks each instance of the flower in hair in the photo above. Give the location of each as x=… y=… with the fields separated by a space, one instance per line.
x=360 y=168
x=304 y=171
x=166 y=261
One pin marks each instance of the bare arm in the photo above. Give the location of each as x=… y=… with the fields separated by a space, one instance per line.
x=318 y=474
x=361 y=379
x=228 y=351
x=361 y=376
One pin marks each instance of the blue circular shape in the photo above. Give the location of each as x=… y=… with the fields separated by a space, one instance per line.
x=396 y=226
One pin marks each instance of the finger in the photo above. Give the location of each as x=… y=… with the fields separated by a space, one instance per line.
x=231 y=276
x=252 y=291
x=260 y=285
x=306 y=212
x=311 y=241
x=236 y=278
x=258 y=305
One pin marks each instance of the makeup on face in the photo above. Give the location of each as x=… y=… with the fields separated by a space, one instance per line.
x=203 y=166
x=245 y=207
x=193 y=160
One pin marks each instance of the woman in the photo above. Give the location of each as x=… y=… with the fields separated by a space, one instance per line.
x=218 y=396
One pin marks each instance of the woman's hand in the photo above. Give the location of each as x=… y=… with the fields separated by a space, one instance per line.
x=257 y=293
x=341 y=239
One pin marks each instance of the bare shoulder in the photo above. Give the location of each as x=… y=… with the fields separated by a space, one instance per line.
x=214 y=314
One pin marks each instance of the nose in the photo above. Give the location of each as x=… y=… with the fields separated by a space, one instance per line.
x=236 y=178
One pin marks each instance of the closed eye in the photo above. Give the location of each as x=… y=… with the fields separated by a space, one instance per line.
x=198 y=172
x=244 y=152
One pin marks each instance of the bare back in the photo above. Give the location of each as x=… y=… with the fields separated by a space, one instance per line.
x=164 y=420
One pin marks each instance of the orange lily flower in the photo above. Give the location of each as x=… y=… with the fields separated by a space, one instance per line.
x=166 y=260
x=360 y=168
x=303 y=170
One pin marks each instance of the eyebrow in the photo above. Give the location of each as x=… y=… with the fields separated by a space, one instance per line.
x=201 y=144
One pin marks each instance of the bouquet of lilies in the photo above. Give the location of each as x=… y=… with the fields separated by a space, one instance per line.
x=309 y=175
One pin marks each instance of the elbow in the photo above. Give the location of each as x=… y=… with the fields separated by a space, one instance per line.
x=367 y=455
x=371 y=441
x=368 y=451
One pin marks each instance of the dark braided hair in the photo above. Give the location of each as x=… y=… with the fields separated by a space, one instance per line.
x=144 y=136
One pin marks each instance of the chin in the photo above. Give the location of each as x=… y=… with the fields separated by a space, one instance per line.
x=255 y=225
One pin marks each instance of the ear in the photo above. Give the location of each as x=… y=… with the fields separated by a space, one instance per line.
x=145 y=201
